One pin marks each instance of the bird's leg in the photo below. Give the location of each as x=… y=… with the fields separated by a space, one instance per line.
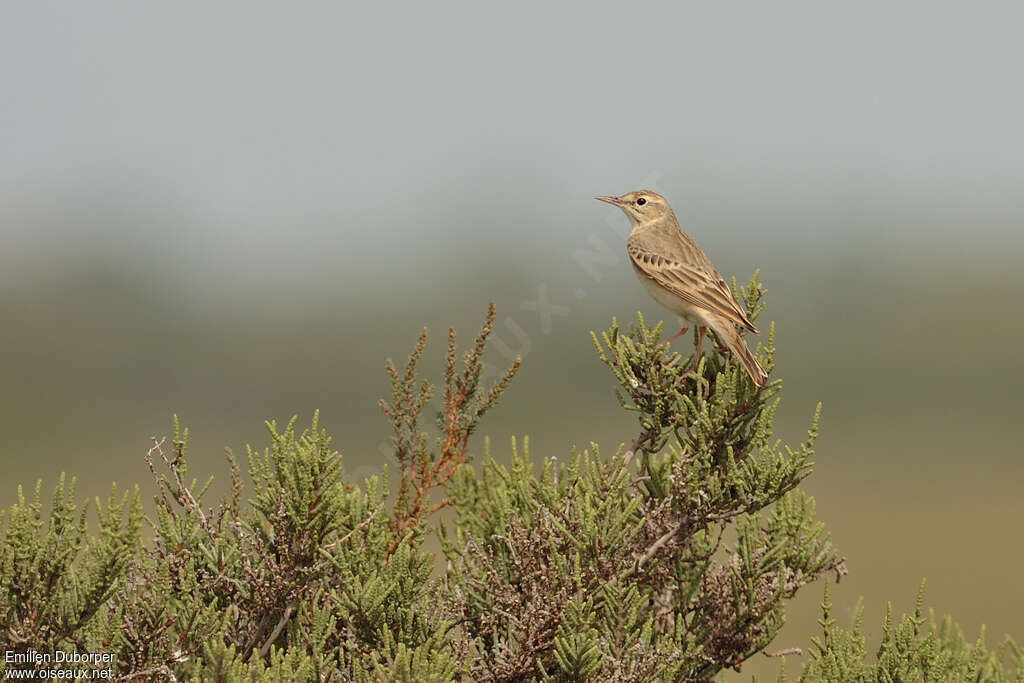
x=678 y=334
x=701 y=331
x=722 y=349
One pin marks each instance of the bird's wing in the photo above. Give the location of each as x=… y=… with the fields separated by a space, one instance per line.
x=697 y=283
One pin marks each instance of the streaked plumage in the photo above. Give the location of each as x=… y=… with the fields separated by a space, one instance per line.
x=678 y=275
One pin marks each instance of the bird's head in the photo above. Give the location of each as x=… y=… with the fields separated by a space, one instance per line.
x=641 y=206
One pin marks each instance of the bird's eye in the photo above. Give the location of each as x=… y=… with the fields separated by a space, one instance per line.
x=641 y=201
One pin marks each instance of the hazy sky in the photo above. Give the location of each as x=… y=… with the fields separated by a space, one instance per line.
x=168 y=168
x=313 y=131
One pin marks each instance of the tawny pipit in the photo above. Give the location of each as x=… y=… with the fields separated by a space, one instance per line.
x=678 y=274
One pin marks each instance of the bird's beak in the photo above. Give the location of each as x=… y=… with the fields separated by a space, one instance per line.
x=614 y=201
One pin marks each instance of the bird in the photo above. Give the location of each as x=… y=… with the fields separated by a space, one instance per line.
x=679 y=276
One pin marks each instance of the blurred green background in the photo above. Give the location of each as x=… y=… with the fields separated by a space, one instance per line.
x=235 y=212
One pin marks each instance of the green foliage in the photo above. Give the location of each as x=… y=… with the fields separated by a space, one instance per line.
x=669 y=560
x=298 y=584
x=54 y=576
x=706 y=403
x=913 y=649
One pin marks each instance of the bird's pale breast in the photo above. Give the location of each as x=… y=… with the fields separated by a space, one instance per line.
x=680 y=307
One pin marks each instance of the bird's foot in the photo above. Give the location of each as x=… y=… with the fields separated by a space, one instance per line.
x=678 y=334
x=696 y=351
x=695 y=363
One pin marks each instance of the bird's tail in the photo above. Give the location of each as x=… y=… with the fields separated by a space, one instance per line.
x=728 y=335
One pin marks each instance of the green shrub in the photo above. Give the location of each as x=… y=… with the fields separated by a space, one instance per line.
x=671 y=559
